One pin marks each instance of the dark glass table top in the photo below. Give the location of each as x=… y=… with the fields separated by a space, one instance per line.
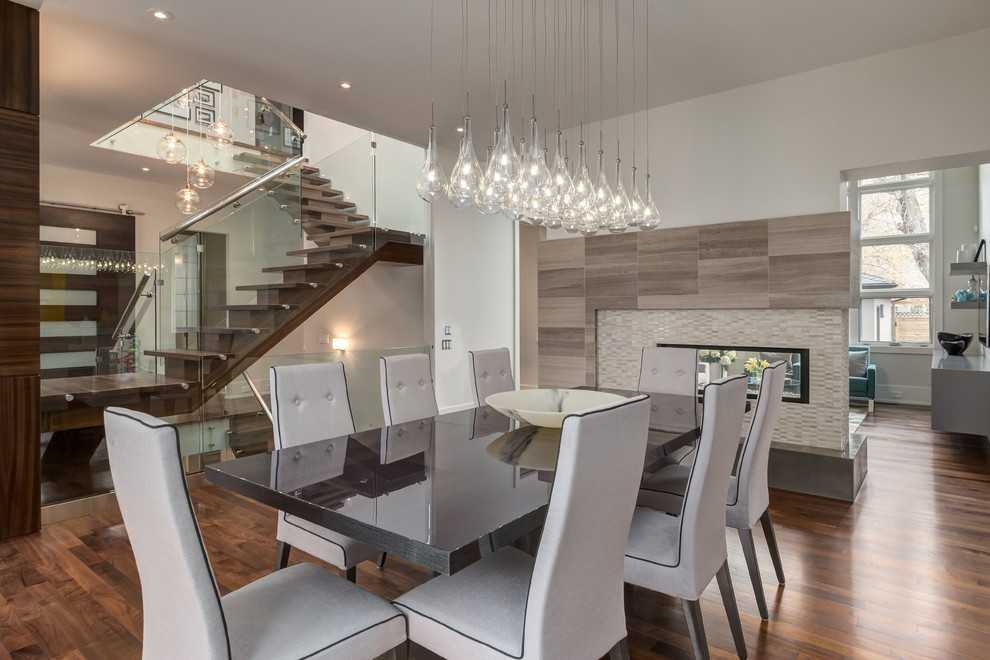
x=434 y=491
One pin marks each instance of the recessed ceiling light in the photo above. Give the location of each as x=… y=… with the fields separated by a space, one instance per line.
x=145 y=169
x=161 y=15
x=344 y=84
x=460 y=129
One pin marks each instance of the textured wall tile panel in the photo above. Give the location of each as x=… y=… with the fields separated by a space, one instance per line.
x=823 y=422
x=810 y=234
x=560 y=283
x=562 y=253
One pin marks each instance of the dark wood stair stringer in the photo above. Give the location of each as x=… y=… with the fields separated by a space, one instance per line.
x=227 y=371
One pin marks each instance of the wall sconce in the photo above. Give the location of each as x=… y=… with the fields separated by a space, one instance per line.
x=339 y=343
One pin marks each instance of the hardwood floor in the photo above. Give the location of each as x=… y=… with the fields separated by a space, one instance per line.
x=902 y=573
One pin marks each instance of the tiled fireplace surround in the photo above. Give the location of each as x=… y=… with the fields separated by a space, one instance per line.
x=776 y=282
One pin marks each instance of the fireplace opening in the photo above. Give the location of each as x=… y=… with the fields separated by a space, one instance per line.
x=718 y=361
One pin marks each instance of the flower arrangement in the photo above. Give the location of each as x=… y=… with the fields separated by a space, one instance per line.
x=716 y=356
x=754 y=366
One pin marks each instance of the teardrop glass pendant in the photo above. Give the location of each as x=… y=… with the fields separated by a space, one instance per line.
x=651 y=216
x=431 y=184
x=487 y=199
x=200 y=175
x=171 y=149
x=465 y=178
x=618 y=220
x=561 y=190
x=603 y=195
x=515 y=204
x=538 y=175
x=635 y=203
x=583 y=201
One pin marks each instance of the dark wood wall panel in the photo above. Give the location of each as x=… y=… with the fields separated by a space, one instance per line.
x=20 y=456
x=18 y=57
x=19 y=244
x=113 y=232
x=20 y=363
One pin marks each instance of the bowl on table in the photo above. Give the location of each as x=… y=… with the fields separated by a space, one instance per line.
x=954 y=344
x=548 y=407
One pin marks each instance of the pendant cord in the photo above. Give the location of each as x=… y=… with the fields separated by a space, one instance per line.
x=634 y=82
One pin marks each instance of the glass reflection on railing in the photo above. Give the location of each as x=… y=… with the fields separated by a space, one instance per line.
x=229 y=130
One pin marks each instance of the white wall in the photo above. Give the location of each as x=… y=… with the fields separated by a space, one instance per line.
x=472 y=286
x=778 y=148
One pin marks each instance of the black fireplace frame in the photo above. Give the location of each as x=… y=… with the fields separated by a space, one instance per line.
x=803 y=392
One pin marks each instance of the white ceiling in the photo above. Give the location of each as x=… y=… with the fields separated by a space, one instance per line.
x=105 y=61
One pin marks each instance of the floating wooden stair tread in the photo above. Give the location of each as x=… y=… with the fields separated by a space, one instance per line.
x=322 y=213
x=271 y=160
x=344 y=247
x=313 y=179
x=348 y=231
x=189 y=354
x=341 y=224
x=327 y=204
x=254 y=308
x=326 y=192
x=319 y=266
x=112 y=385
x=216 y=330
x=279 y=286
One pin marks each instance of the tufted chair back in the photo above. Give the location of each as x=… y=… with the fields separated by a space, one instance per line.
x=407 y=388
x=491 y=372
x=309 y=403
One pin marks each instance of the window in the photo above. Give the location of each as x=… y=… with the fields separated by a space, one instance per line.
x=897 y=243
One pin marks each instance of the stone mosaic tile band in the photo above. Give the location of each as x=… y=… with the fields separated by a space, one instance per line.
x=823 y=422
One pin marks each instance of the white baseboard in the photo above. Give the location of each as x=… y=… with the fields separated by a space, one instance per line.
x=914 y=395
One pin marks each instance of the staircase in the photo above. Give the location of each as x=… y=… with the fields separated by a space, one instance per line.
x=207 y=358
x=346 y=247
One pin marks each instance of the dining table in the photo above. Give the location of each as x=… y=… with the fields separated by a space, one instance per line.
x=441 y=491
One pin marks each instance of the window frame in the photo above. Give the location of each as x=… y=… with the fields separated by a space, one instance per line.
x=933 y=237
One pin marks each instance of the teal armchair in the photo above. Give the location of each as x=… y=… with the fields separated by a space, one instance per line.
x=862 y=374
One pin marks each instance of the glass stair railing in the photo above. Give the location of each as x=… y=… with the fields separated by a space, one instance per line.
x=237 y=282
x=261 y=133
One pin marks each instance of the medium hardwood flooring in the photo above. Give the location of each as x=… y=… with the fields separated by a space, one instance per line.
x=903 y=572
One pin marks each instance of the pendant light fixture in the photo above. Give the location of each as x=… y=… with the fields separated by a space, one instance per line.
x=170 y=148
x=465 y=178
x=219 y=133
x=651 y=216
x=519 y=184
x=200 y=175
x=431 y=184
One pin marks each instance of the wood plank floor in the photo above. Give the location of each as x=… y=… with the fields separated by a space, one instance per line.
x=904 y=572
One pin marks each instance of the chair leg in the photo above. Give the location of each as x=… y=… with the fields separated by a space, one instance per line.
x=282 y=555
x=620 y=651
x=772 y=543
x=870 y=409
x=696 y=628
x=351 y=574
x=400 y=652
x=381 y=559
x=731 y=610
x=749 y=551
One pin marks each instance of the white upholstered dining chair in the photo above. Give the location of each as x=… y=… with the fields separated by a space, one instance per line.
x=673 y=373
x=407 y=388
x=567 y=602
x=748 y=499
x=679 y=556
x=310 y=403
x=300 y=612
x=491 y=373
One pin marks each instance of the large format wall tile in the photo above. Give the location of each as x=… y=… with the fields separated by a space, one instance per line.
x=809 y=234
x=567 y=253
x=561 y=283
x=733 y=240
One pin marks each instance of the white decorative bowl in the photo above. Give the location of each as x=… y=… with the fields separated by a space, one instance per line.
x=548 y=407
